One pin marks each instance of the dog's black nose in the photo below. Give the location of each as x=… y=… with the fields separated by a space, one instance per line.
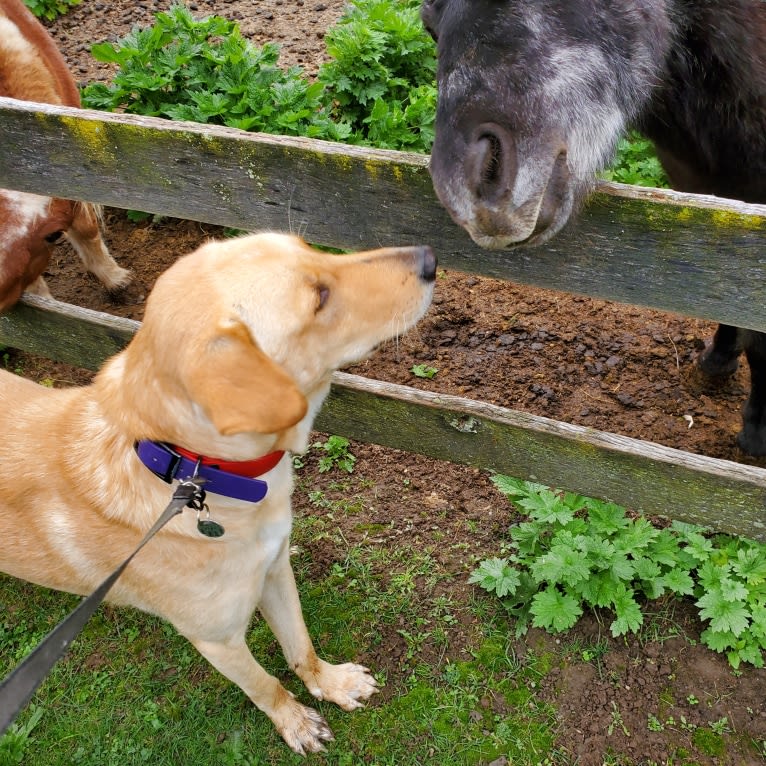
x=427 y=263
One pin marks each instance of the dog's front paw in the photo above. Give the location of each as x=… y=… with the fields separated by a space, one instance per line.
x=302 y=728
x=347 y=685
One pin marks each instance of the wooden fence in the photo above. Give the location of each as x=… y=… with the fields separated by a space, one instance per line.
x=695 y=255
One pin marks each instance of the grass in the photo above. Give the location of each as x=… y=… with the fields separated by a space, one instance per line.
x=457 y=687
x=132 y=691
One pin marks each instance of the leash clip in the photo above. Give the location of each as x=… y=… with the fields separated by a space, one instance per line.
x=191 y=490
x=205 y=525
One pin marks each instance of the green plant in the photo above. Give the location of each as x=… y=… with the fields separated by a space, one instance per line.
x=654 y=723
x=636 y=163
x=8 y=362
x=575 y=553
x=381 y=74
x=13 y=743
x=423 y=371
x=721 y=726
x=205 y=71
x=337 y=454
x=617 y=721
x=140 y=216
x=50 y=9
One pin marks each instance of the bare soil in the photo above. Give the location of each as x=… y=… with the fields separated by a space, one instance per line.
x=598 y=364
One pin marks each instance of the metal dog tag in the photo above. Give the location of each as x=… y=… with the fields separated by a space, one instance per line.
x=208 y=527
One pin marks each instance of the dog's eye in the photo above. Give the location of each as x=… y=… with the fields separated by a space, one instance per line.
x=323 y=293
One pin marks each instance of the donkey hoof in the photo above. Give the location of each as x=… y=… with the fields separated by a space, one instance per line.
x=714 y=364
x=752 y=440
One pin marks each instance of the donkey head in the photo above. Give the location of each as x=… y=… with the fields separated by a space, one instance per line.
x=533 y=96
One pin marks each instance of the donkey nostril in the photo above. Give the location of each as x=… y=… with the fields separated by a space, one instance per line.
x=490 y=163
x=492 y=151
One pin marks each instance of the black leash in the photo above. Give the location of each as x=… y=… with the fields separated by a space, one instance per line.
x=18 y=687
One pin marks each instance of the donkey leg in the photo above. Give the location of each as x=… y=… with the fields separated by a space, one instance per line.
x=85 y=236
x=752 y=437
x=721 y=357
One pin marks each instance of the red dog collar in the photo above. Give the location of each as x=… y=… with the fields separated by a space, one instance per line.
x=249 y=468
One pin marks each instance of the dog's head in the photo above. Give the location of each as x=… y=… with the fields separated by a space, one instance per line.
x=247 y=331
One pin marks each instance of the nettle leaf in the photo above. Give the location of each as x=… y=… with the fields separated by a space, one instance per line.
x=622 y=567
x=515 y=488
x=528 y=538
x=699 y=546
x=554 y=611
x=664 y=549
x=638 y=535
x=684 y=528
x=750 y=564
x=546 y=506
x=724 y=615
x=718 y=640
x=600 y=552
x=751 y=653
x=629 y=615
x=646 y=569
x=711 y=575
x=758 y=625
x=518 y=604
x=602 y=555
x=574 y=501
x=653 y=589
x=101 y=96
x=210 y=104
x=733 y=590
x=561 y=564
x=577 y=527
x=607 y=518
x=182 y=112
x=600 y=589
x=243 y=123
x=565 y=537
x=207 y=72
x=496 y=576
x=108 y=53
x=679 y=581
x=510 y=487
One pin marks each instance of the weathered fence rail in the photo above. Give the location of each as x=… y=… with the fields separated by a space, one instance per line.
x=694 y=255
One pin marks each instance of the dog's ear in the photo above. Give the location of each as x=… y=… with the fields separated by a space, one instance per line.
x=240 y=388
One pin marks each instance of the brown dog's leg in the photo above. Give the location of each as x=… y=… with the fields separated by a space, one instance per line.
x=302 y=728
x=348 y=684
x=39 y=287
x=85 y=236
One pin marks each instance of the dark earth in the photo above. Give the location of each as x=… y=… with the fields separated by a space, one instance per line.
x=607 y=366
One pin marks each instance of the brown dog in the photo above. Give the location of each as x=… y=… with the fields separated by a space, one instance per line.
x=32 y=69
x=233 y=360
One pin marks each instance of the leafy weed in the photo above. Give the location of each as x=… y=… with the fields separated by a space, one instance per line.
x=50 y=9
x=576 y=553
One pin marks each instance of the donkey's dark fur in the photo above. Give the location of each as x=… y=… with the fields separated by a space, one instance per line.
x=534 y=94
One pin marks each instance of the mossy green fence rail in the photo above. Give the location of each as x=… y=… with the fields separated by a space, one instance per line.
x=695 y=255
